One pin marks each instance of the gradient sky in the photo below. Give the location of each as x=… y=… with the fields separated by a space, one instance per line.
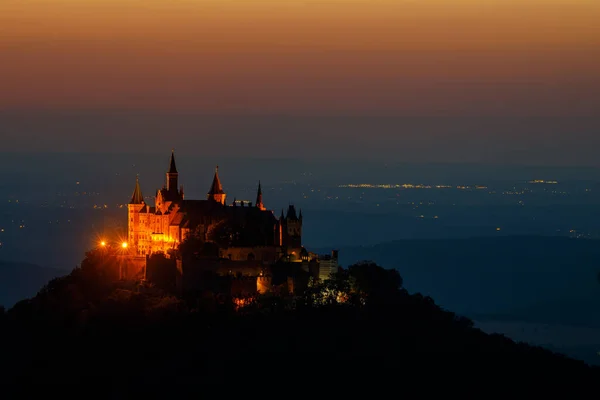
x=419 y=58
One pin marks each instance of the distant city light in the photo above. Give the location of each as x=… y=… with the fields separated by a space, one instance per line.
x=103 y=243
x=124 y=245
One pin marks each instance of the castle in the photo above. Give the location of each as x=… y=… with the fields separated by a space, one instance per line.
x=245 y=238
x=242 y=232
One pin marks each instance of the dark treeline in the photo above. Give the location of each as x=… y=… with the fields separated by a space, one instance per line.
x=359 y=329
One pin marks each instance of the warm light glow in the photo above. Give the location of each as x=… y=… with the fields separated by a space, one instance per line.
x=124 y=245
x=103 y=243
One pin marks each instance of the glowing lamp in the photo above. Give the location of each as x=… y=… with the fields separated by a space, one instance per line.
x=103 y=243
x=124 y=245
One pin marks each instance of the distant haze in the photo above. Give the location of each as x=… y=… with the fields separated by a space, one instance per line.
x=518 y=141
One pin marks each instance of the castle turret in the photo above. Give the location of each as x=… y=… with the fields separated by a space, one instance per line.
x=172 y=175
x=259 y=198
x=292 y=228
x=133 y=221
x=216 y=192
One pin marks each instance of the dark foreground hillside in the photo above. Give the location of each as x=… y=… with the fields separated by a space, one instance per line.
x=358 y=331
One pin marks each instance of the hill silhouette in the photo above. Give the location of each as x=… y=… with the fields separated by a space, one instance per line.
x=359 y=329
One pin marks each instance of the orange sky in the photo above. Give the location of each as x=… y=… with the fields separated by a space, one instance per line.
x=419 y=57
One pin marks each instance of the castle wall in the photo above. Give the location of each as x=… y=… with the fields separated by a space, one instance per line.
x=133 y=225
x=259 y=253
x=153 y=233
x=264 y=284
x=132 y=268
x=161 y=271
x=203 y=273
x=326 y=268
x=243 y=287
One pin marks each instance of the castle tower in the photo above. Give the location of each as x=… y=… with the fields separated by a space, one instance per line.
x=216 y=192
x=172 y=175
x=279 y=229
x=259 y=199
x=293 y=228
x=133 y=220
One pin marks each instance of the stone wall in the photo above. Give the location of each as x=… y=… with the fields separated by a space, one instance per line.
x=268 y=254
x=132 y=268
x=162 y=272
x=264 y=284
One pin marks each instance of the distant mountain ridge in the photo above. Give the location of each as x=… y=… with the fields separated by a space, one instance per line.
x=22 y=280
x=524 y=276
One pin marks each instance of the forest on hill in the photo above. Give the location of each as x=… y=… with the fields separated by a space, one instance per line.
x=360 y=327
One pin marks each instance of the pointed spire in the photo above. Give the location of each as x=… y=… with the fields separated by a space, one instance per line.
x=172 y=176
x=300 y=216
x=172 y=167
x=216 y=187
x=259 y=198
x=282 y=217
x=137 y=197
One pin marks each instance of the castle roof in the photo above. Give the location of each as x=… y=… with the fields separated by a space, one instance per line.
x=137 y=197
x=197 y=210
x=170 y=195
x=172 y=167
x=251 y=225
x=291 y=214
x=216 y=187
x=178 y=219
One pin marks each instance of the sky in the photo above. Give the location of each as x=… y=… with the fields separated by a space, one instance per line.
x=69 y=68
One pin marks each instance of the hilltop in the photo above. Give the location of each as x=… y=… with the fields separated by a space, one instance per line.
x=358 y=329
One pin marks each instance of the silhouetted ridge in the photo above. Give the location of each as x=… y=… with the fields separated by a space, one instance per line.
x=359 y=328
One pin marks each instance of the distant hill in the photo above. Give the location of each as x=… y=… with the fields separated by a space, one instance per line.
x=21 y=280
x=548 y=279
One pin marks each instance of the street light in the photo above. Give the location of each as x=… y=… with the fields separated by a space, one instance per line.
x=124 y=245
x=103 y=243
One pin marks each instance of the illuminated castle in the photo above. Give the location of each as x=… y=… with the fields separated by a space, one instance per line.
x=241 y=232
